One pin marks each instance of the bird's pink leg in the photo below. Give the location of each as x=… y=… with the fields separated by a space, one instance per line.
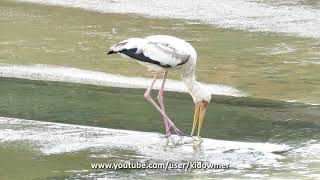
x=160 y=99
x=147 y=96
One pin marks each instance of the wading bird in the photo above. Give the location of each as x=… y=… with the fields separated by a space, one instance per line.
x=160 y=54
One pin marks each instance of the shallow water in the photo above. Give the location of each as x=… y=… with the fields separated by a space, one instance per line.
x=240 y=14
x=74 y=75
x=248 y=125
x=260 y=64
x=259 y=138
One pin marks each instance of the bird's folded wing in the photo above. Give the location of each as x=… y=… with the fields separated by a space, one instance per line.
x=165 y=54
x=159 y=53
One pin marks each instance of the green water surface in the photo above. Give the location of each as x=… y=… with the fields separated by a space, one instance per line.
x=228 y=118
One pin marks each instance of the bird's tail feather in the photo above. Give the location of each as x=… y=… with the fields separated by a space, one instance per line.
x=111 y=52
x=117 y=47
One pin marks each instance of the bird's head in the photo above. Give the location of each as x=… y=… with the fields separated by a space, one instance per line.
x=201 y=99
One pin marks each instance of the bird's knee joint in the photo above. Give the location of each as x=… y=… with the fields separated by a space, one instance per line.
x=146 y=96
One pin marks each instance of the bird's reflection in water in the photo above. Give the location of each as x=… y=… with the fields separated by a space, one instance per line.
x=179 y=141
x=196 y=145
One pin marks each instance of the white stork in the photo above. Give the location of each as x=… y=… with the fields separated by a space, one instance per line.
x=161 y=53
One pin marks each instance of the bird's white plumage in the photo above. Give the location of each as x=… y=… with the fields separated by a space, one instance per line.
x=168 y=51
x=172 y=49
x=165 y=53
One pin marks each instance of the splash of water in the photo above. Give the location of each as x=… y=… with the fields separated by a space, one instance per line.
x=74 y=75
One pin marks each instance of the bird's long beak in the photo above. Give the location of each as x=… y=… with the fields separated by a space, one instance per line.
x=199 y=111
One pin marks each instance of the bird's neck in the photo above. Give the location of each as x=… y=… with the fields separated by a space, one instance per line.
x=192 y=85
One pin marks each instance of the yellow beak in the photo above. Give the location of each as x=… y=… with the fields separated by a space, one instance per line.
x=199 y=111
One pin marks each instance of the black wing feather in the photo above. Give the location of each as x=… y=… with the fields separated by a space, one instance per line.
x=141 y=57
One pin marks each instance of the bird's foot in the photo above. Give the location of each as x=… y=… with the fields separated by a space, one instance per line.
x=173 y=130
x=168 y=134
x=177 y=131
